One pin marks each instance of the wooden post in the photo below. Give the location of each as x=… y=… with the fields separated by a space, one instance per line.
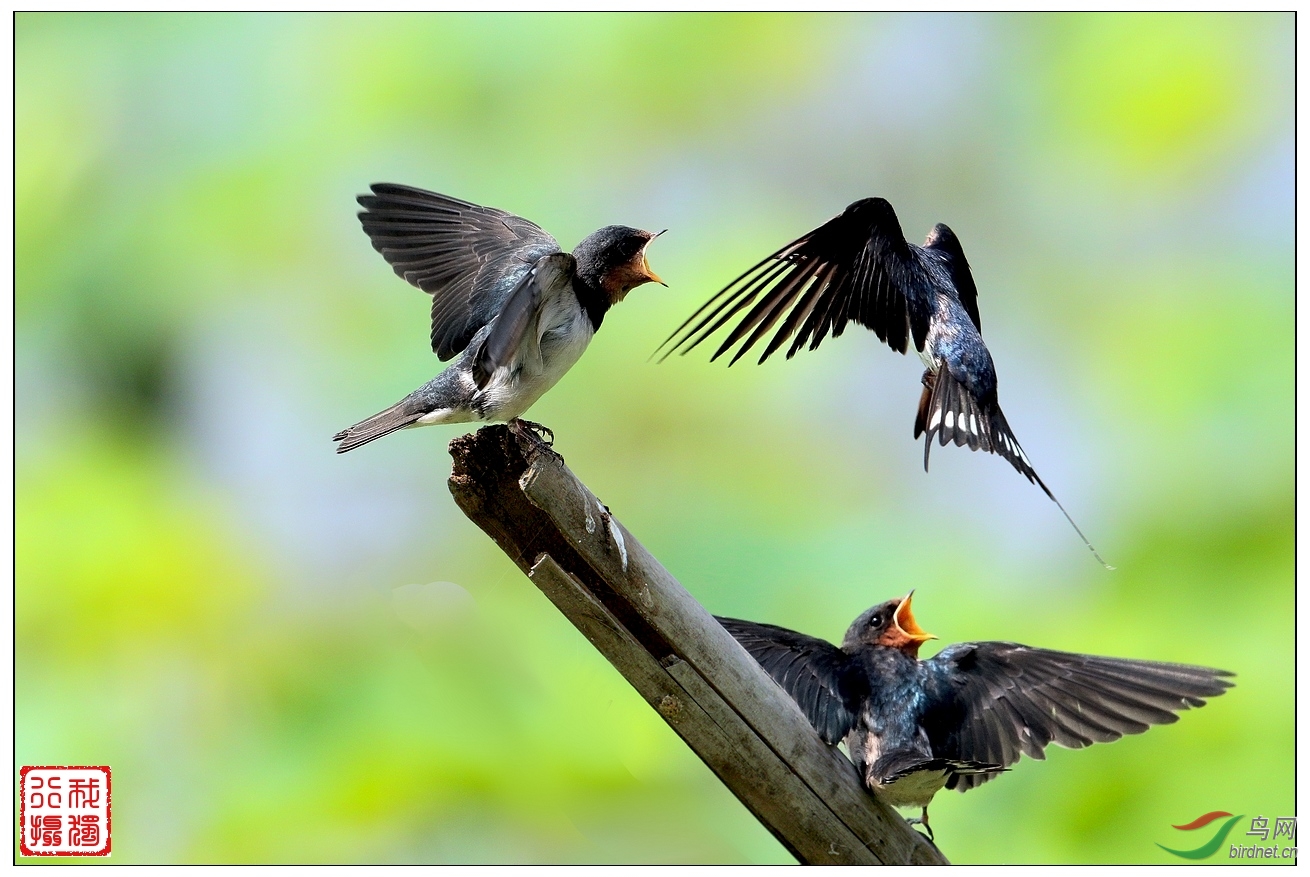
x=687 y=667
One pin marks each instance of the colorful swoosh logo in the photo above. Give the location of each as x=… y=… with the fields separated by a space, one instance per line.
x=1209 y=847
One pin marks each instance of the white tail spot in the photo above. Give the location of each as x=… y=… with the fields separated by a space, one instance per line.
x=950 y=420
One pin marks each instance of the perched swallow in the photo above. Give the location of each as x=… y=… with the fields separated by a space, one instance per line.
x=859 y=267
x=959 y=718
x=516 y=309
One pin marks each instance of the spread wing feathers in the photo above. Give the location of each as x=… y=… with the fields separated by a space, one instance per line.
x=466 y=256
x=857 y=266
x=950 y=412
x=944 y=241
x=825 y=684
x=519 y=316
x=993 y=701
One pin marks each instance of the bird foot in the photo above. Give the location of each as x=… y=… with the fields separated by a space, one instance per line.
x=923 y=820
x=519 y=426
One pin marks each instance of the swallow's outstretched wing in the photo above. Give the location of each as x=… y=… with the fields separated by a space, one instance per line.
x=469 y=258
x=943 y=242
x=820 y=677
x=993 y=701
x=855 y=267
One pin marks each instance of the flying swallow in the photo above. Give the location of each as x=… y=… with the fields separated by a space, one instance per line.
x=515 y=308
x=956 y=720
x=859 y=267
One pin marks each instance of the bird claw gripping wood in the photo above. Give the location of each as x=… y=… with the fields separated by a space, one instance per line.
x=543 y=434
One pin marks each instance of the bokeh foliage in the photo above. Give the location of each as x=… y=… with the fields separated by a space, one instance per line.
x=251 y=630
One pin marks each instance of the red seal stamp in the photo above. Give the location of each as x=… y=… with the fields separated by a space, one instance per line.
x=63 y=811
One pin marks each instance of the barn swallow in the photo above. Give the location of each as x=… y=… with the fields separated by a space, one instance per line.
x=516 y=309
x=859 y=267
x=956 y=720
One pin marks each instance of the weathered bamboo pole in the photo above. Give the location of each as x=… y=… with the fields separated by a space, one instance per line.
x=696 y=676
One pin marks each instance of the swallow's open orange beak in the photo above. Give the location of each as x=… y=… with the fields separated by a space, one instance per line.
x=904 y=620
x=645 y=266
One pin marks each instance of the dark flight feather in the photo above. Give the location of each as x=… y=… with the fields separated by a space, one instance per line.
x=993 y=701
x=467 y=257
x=943 y=240
x=855 y=267
x=816 y=674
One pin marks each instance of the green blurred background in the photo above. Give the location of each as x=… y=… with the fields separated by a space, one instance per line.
x=291 y=656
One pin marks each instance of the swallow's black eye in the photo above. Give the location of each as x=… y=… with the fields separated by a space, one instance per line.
x=875 y=620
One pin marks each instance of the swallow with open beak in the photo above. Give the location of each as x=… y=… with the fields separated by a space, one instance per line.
x=859 y=267
x=956 y=720
x=515 y=308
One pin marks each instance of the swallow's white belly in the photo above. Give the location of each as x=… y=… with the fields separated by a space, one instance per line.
x=914 y=790
x=564 y=332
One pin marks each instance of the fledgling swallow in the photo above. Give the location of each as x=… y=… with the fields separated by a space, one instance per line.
x=956 y=720
x=859 y=267
x=517 y=310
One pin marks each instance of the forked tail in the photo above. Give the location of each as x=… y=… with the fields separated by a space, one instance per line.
x=948 y=411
